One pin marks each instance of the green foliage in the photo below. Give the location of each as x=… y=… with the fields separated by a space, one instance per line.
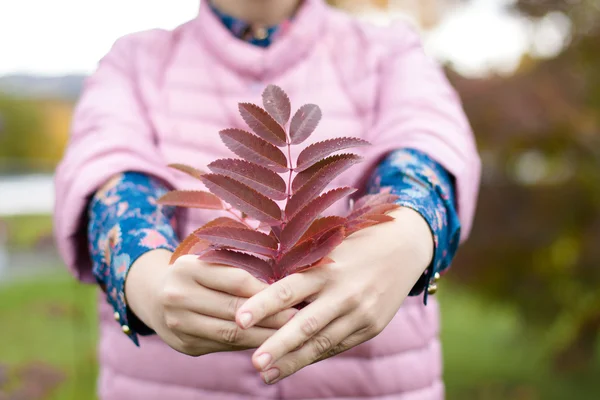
x=20 y=128
x=536 y=235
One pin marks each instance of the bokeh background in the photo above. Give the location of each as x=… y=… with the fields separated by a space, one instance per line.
x=521 y=305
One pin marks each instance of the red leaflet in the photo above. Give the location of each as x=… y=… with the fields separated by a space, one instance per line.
x=323 y=174
x=358 y=224
x=258 y=178
x=263 y=124
x=277 y=104
x=366 y=211
x=375 y=199
x=307 y=174
x=319 y=150
x=185 y=246
x=379 y=217
x=300 y=223
x=222 y=221
x=322 y=225
x=240 y=238
x=325 y=246
x=243 y=198
x=191 y=199
x=191 y=171
x=258 y=267
x=253 y=148
x=294 y=240
x=304 y=122
x=309 y=252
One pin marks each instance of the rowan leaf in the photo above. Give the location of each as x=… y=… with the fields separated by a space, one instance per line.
x=315 y=152
x=191 y=171
x=191 y=199
x=309 y=252
x=356 y=225
x=243 y=198
x=263 y=124
x=222 y=221
x=323 y=174
x=253 y=175
x=375 y=199
x=327 y=244
x=277 y=104
x=304 y=122
x=192 y=244
x=366 y=211
x=322 y=225
x=380 y=217
x=254 y=149
x=184 y=247
x=307 y=174
x=276 y=232
x=258 y=267
x=300 y=223
x=240 y=238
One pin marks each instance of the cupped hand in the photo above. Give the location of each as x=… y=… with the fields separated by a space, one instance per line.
x=192 y=305
x=350 y=301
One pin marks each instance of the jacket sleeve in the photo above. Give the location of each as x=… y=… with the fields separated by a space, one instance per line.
x=110 y=134
x=417 y=108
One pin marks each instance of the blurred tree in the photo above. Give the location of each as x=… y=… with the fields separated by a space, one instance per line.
x=536 y=239
x=32 y=133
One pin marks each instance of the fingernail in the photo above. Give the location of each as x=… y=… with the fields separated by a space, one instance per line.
x=245 y=319
x=263 y=361
x=271 y=375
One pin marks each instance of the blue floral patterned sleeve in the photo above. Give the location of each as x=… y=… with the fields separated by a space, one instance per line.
x=426 y=187
x=125 y=222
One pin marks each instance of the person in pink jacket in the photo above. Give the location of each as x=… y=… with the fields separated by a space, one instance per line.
x=191 y=330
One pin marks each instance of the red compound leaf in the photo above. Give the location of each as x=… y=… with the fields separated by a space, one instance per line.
x=191 y=199
x=240 y=238
x=263 y=124
x=253 y=175
x=277 y=104
x=304 y=122
x=258 y=267
x=316 y=152
x=243 y=198
x=254 y=149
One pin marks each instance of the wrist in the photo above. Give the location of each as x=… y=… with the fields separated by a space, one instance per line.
x=417 y=235
x=142 y=284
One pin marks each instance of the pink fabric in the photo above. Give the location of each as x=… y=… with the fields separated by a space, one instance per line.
x=162 y=96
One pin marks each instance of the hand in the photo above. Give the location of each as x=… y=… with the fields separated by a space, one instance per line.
x=191 y=305
x=350 y=301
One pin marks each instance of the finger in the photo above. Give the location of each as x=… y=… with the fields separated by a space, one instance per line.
x=212 y=303
x=336 y=338
x=280 y=296
x=220 y=331
x=234 y=281
x=306 y=324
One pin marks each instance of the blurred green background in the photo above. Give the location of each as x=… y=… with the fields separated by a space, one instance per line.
x=521 y=305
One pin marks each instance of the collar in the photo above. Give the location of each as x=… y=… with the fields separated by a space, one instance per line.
x=243 y=30
x=291 y=46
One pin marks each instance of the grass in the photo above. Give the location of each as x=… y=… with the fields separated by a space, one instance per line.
x=51 y=321
x=489 y=351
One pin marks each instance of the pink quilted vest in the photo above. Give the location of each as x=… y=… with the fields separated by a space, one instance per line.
x=162 y=96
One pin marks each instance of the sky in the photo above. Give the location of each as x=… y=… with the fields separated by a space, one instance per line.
x=69 y=36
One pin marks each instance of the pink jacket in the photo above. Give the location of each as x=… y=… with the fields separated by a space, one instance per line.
x=161 y=96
